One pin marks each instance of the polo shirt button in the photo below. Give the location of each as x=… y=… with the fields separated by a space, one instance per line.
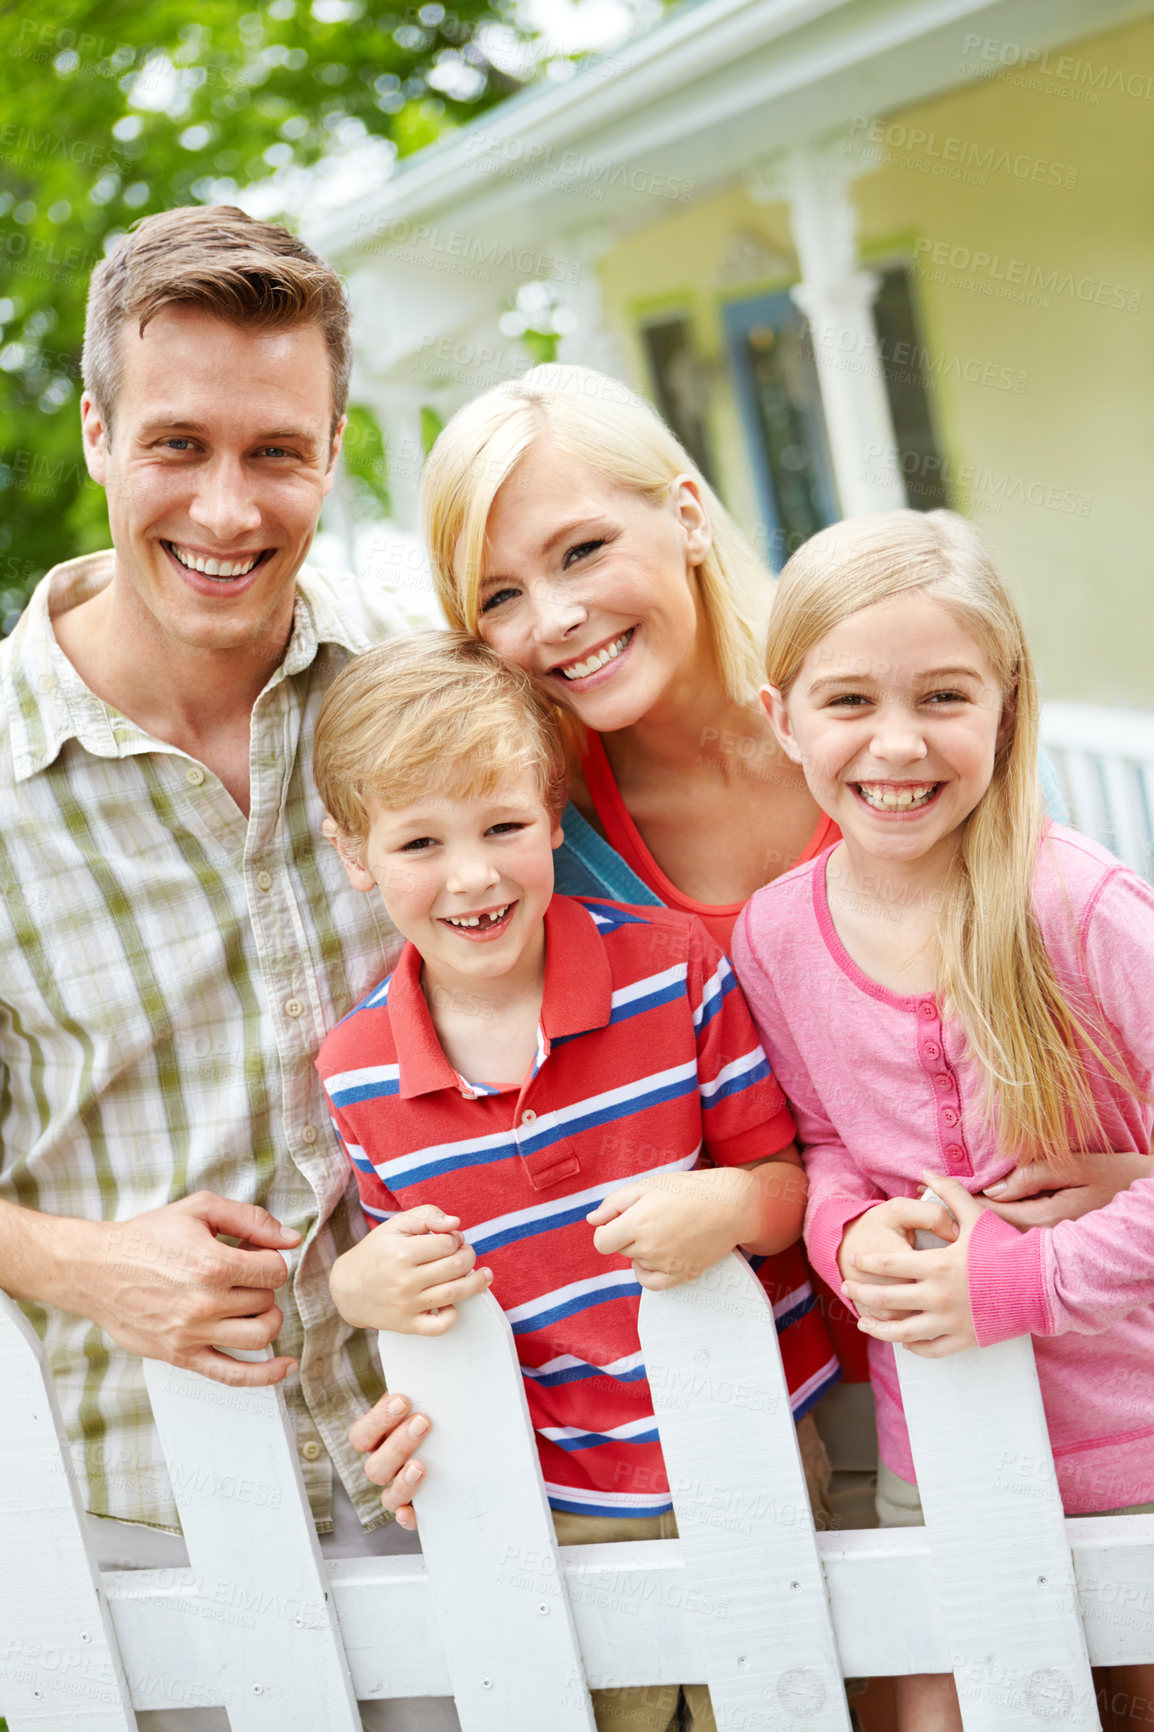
x=264 y=882
x=949 y=1117
x=528 y=1117
x=309 y=1134
x=955 y=1154
x=194 y=775
x=294 y=1007
x=311 y=1450
x=928 y=1008
x=942 y=1080
x=933 y=1050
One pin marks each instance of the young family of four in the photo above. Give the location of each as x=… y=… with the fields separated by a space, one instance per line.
x=819 y=904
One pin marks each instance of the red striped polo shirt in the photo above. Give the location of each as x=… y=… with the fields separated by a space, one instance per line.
x=647 y=1060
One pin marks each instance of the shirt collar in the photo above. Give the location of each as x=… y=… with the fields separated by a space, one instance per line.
x=578 y=996
x=48 y=703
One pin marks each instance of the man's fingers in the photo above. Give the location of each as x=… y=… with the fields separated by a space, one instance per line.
x=239 y=1220
x=250 y=1333
x=237 y=1373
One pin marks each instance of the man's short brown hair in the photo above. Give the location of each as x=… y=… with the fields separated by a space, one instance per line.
x=219 y=259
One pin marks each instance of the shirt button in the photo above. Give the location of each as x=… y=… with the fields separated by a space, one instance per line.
x=264 y=882
x=528 y=1117
x=309 y=1134
x=949 y=1117
x=955 y=1154
x=933 y=1050
x=311 y=1450
x=928 y=1008
x=194 y=775
x=942 y=1080
x=294 y=1007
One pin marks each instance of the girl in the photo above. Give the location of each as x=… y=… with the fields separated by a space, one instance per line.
x=955 y=987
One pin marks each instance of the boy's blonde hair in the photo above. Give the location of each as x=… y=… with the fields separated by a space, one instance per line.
x=604 y=424
x=993 y=973
x=432 y=710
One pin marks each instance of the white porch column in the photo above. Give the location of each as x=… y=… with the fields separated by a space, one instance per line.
x=398 y=409
x=837 y=298
x=590 y=343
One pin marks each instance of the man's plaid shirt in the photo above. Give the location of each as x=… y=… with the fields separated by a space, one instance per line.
x=169 y=971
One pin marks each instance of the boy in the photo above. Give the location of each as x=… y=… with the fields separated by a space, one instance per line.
x=544 y=1070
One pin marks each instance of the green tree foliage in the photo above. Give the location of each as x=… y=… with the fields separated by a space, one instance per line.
x=113 y=110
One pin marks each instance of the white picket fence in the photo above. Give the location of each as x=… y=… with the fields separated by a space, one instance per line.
x=1105 y=762
x=999 y=1588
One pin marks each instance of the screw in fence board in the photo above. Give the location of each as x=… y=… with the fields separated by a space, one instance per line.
x=61 y=1670
x=486 y=1530
x=999 y=1556
x=232 y=1460
x=743 y=1513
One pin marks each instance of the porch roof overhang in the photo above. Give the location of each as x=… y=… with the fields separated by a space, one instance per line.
x=695 y=103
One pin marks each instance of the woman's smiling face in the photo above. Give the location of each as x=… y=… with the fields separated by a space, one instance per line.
x=591 y=588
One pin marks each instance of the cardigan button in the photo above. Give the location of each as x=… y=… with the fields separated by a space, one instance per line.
x=955 y=1154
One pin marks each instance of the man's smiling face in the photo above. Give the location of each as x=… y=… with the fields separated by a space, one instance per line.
x=216 y=466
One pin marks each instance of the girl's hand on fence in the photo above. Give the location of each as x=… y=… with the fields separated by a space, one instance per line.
x=677 y=1225
x=1037 y=1195
x=387 y=1439
x=932 y=1297
x=409 y=1275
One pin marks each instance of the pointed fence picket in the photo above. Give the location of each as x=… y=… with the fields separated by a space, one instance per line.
x=999 y=1588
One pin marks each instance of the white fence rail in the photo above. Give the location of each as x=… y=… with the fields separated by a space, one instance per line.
x=1105 y=762
x=999 y=1588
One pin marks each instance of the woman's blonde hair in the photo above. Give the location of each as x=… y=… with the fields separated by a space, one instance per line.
x=601 y=422
x=431 y=711
x=994 y=976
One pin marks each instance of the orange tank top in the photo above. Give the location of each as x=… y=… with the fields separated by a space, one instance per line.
x=622 y=834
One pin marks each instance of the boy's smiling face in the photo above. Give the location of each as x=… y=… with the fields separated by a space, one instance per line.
x=467 y=881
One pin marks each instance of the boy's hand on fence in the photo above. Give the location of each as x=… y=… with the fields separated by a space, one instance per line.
x=387 y=1439
x=408 y=1275
x=675 y=1226
x=1039 y=1195
x=884 y=1228
x=932 y=1294
x=165 y=1287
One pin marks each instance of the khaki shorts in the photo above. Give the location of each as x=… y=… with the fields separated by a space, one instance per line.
x=653 y=1707
x=899 y=1505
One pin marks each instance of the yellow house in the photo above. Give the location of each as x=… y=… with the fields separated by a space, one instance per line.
x=861 y=253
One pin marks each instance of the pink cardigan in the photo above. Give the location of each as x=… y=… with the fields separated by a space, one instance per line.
x=881 y=1089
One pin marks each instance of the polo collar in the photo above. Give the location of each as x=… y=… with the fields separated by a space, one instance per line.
x=47 y=703
x=578 y=996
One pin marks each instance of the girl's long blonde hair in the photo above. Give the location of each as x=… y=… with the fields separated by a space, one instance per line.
x=994 y=976
x=603 y=423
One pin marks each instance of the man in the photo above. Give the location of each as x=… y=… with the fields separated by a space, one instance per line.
x=176 y=937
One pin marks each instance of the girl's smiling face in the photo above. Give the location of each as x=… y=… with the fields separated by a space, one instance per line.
x=591 y=588
x=895 y=717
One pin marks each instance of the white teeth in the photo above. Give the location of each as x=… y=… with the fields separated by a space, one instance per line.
x=213 y=567
x=888 y=799
x=480 y=919
x=581 y=670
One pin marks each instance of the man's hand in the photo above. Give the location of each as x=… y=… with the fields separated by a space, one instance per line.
x=388 y=1444
x=1039 y=1195
x=162 y=1284
x=926 y=1291
x=675 y=1226
x=408 y=1275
